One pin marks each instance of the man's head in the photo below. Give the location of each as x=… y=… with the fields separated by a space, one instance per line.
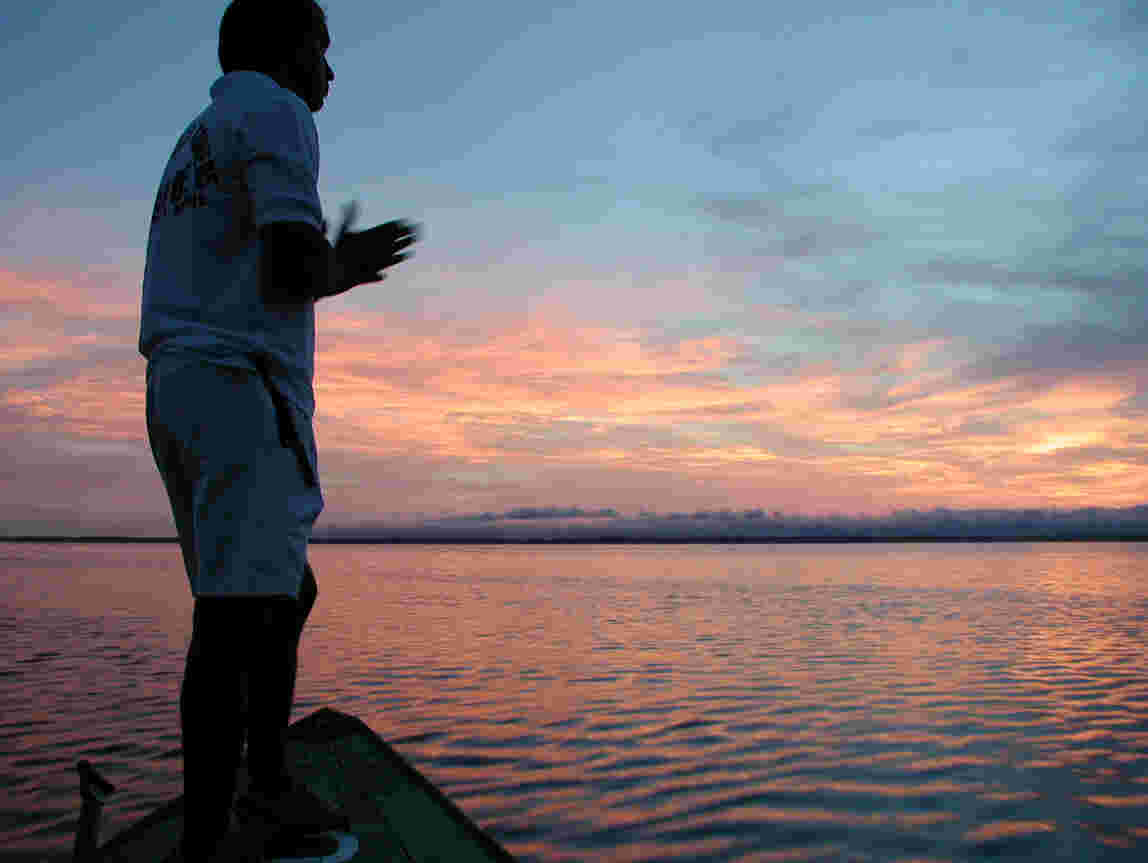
x=284 y=39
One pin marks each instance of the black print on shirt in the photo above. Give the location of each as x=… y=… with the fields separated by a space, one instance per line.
x=187 y=186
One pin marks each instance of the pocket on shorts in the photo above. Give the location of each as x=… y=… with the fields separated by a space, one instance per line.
x=295 y=433
x=304 y=442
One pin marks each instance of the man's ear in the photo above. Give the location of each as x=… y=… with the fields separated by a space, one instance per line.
x=278 y=74
x=282 y=70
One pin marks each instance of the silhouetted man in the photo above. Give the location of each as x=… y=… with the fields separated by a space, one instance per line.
x=236 y=259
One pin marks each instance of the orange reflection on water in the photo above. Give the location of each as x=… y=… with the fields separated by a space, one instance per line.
x=1007 y=830
x=590 y=702
x=1119 y=801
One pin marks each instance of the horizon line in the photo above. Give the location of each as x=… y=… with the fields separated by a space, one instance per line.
x=621 y=539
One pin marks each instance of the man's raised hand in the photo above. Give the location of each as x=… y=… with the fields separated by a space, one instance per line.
x=364 y=255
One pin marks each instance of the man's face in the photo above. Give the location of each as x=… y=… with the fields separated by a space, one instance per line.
x=309 y=76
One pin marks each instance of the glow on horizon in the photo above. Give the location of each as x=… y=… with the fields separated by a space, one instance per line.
x=535 y=399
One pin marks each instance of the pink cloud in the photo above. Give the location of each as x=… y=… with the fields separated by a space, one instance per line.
x=542 y=407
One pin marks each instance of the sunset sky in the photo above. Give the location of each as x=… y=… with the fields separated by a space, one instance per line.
x=818 y=257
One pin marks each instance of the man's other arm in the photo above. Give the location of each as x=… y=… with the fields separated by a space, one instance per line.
x=298 y=264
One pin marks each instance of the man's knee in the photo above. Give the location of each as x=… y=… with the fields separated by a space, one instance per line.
x=237 y=628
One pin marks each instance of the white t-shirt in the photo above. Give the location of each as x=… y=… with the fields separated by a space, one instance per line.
x=250 y=158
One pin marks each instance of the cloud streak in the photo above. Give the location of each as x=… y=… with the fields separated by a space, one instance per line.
x=514 y=411
x=540 y=397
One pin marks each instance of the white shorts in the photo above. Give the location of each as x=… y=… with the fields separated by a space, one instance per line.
x=240 y=469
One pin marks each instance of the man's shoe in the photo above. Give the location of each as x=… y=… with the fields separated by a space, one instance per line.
x=293 y=807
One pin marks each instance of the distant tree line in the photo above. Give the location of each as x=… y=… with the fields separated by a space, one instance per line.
x=574 y=524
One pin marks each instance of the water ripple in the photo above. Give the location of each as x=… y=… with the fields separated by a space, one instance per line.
x=809 y=703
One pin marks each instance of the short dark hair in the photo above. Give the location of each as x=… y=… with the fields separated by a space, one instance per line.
x=257 y=34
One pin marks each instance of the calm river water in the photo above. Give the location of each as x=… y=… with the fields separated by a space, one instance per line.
x=625 y=703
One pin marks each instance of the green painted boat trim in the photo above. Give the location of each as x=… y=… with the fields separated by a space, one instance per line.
x=395 y=812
